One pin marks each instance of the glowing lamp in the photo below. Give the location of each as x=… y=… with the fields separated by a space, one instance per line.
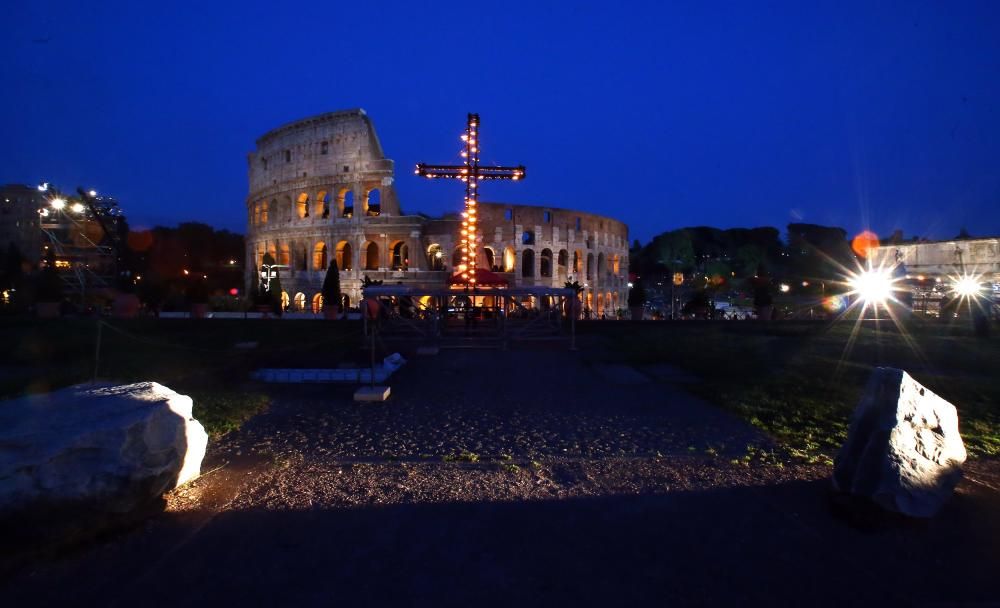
x=873 y=286
x=77 y=207
x=966 y=287
x=234 y=292
x=58 y=203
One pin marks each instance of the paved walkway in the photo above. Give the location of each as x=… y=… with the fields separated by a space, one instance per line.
x=518 y=478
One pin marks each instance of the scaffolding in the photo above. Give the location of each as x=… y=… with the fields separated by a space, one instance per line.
x=82 y=241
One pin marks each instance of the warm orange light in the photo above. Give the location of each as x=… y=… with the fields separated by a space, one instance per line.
x=864 y=243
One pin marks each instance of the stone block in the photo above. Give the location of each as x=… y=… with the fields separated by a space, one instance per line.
x=372 y=393
x=113 y=448
x=903 y=450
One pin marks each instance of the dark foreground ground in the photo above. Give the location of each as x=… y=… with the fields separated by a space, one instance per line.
x=519 y=478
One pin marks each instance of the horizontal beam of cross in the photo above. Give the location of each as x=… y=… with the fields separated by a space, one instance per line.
x=461 y=171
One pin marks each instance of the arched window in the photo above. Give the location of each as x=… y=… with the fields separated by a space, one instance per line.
x=373 y=202
x=345 y=202
x=371 y=256
x=324 y=147
x=322 y=206
x=301 y=258
x=546 y=263
x=600 y=303
x=509 y=259
x=284 y=300
x=590 y=266
x=284 y=255
x=400 y=256
x=491 y=258
x=344 y=256
x=602 y=267
x=577 y=261
x=302 y=205
x=435 y=257
x=300 y=302
x=563 y=258
x=317 y=304
x=527 y=237
x=319 y=256
x=528 y=263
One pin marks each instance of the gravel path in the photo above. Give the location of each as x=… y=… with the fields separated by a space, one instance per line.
x=481 y=483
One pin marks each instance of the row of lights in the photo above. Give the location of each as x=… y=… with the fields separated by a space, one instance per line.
x=59 y=203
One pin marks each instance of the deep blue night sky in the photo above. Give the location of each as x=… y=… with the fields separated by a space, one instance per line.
x=662 y=116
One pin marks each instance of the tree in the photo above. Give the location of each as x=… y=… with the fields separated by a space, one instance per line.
x=331 y=286
x=637 y=295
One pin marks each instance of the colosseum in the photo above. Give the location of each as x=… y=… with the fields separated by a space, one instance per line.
x=322 y=188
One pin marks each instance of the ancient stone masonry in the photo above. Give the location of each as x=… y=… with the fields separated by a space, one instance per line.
x=980 y=257
x=322 y=189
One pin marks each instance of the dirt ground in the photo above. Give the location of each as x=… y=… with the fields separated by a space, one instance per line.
x=519 y=478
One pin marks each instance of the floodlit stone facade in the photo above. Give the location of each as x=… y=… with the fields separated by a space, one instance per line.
x=322 y=189
x=979 y=257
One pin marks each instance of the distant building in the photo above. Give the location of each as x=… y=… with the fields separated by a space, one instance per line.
x=42 y=220
x=19 y=221
x=930 y=270
x=321 y=188
x=977 y=256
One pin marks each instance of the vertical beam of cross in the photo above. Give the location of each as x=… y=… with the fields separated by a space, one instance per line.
x=471 y=173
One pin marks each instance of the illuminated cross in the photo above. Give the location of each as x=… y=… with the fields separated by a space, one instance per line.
x=471 y=173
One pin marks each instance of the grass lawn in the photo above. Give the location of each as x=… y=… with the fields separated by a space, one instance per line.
x=195 y=357
x=800 y=381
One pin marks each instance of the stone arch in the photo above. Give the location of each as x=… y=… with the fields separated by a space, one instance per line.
x=272 y=249
x=577 y=261
x=345 y=301
x=321 y=207
x=284 y=300
x=300 y=302
x=301 y=258
x=491 y=258
x=373 y=202
x=545 y=263
x=320 y=256
x=509 y=259
x=600 y=303
x=370 y=251
x=602 y=266
x=528 y=237
x=302 y=206
x=563 y=259
x=284 y=254
x=345 y=203
x=528 y=263
x=317 y=303
x=400 y=255
x=435 y=257
x=283 y=211
x=590 y=266
x=344 y=255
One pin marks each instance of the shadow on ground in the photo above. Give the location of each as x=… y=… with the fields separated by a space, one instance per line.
x=745 y=545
